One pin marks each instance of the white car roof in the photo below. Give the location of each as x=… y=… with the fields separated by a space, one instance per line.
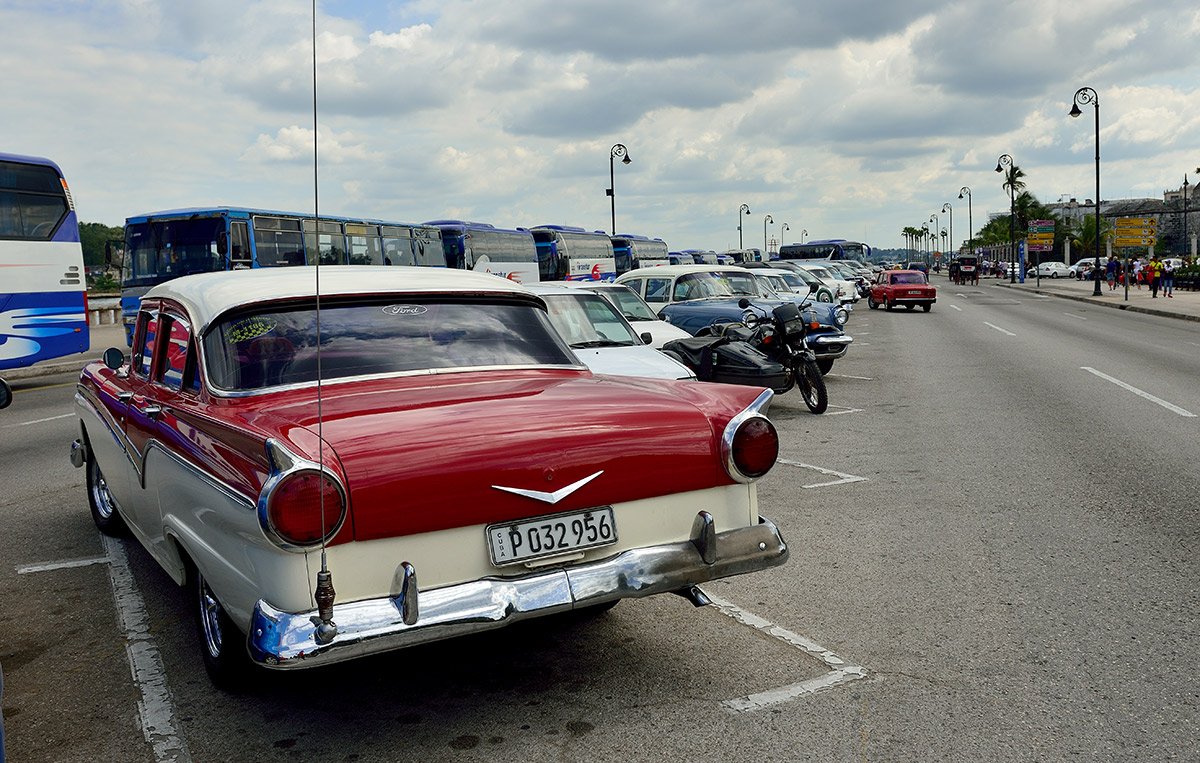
x=669 y=271
x=773 y=271
x=209 y=295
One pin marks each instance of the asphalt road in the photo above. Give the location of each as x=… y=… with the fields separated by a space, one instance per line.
x=994 y=558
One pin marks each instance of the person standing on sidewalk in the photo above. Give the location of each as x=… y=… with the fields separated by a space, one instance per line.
x=1110 y=272
x=1155 y=272
x=1168 y=279
x=1137 y=272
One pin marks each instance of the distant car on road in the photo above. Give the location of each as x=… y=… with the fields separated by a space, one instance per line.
x=1049 y=270
x=1081 y=269
x=902 y=287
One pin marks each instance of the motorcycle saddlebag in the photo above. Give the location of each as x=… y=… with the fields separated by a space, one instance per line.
x=739 y=363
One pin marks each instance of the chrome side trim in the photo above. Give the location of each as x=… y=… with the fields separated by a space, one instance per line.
x=757 y=409
x=246 y=501
x=287 y=640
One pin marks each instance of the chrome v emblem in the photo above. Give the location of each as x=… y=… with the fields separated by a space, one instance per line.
x=554 y=497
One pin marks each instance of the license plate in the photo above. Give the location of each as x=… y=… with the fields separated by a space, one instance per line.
x=514 y=542
x=914 y=292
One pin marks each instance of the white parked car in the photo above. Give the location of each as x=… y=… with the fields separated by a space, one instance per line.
x=633 y=309
x=601 y=338
x=847 y=291
x=1049 y=270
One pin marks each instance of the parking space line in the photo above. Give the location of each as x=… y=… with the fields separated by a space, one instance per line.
x=1073 y=315
x=843 y=410
x=843 y=479
x=840 y=671
x=848 y=376
x=38 y=421
x=64 y=565
x=1140 y=393
x=156 y=710
x=956 y=307
x=1002 y=331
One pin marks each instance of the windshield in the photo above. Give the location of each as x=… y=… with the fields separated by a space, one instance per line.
x=162 y=250
x=700 y=286
x=794 y=281
x=588 y=320
x=742 y=284
x=778 y=283
x=630 y=305
x=267 y=347
x=822 y=273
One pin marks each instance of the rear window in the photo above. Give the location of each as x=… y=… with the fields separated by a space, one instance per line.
x=265 y=348
x=909 y=278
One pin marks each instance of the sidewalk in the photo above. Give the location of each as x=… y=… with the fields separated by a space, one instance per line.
x=1185 y=305
x=101 y=337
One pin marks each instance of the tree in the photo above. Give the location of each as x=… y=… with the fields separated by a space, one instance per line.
x=1085 y=236
x=93 y=237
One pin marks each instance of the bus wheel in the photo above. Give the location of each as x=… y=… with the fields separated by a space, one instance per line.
x=5 y=394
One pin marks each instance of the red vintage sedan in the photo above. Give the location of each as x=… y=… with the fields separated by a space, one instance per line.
x=422 y=457
x=902 y=287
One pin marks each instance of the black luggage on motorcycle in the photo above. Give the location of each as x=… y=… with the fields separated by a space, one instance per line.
x=717 y=359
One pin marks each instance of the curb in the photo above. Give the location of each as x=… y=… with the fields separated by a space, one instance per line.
x=47 y=369
x=1114 y=305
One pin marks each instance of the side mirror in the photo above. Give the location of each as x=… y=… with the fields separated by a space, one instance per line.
x=743 y=303
x=647 y=337
x=114 y=358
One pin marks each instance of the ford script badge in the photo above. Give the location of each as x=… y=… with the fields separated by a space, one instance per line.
x=405 y=309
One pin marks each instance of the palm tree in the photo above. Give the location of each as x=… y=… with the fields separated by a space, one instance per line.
x=1014 y=178
x=1085 y=236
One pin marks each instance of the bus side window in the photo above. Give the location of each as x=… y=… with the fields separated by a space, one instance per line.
x=239 y=254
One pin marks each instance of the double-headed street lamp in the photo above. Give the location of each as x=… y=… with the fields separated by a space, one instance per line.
x=970 y=222
x=742 y=210
x=1007 y=161
x=766 y=219
x=1086 y=95
x=616 y=151
x=947 y=208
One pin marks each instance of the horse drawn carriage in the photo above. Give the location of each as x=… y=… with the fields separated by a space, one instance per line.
x=965 y=270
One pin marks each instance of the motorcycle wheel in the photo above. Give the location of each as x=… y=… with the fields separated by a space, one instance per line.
x=811 y=386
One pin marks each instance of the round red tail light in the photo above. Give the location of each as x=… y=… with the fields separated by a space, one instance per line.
x=754 y=448
x=305 y=508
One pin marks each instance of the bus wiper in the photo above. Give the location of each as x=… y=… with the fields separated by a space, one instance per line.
x=600 y=343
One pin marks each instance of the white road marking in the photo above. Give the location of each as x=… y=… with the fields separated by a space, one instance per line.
x=1040 y=296
x=956 y=307
x=1140 y=393
x=1073 y=315
x=65 y=565
x=844 y=410
x=38 y=421
x=840 y=671
x=848 y=376
x=155 y=708
x=844 y=479
x=1002 y=331
x=862 y=333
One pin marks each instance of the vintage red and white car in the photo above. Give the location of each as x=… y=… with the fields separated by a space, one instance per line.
x=302 y=468
x=910 y=288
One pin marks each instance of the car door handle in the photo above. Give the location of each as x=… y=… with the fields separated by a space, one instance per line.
x=124 y=397
x=152 y=411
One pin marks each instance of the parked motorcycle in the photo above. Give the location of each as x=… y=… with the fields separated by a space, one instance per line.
x=781 y=336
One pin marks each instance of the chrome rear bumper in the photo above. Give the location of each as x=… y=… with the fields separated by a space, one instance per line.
x=288 y=640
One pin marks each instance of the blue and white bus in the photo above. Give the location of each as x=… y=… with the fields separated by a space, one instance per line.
x=484 y=248
x=631 y=251
x=826 y=249
x=163 y=245
x=43 y=291
x=568 y=253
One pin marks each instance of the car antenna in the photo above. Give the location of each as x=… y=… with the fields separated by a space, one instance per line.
x=326 y=629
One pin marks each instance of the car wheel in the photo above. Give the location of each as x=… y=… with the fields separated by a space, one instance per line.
x=825 y=365
x=104 y=507
x=926 y=308
x=221 y=643
x=824 y=297
x=1054 y=275
x=871 y=303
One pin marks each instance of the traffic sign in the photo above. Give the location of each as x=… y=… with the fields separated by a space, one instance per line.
x=1041 y=237
x=1041 y=247
x=1041 y=226
x=1136 y=241
x=1133 y=232
x=1137 y=222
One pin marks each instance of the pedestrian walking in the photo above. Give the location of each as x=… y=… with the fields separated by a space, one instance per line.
x=1168 y=279
x=1110 y=272
x=1137 y=272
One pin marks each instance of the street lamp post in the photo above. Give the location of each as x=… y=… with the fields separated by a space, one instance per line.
x=766 y=219
x=937 y=225
x=970 y=222
x=618 y=150
x=1086 y=95
x=1007 y=161
x=804 y=231
x=742 y=210
x=1187 y=250
x=783 y=229
x=925 y=243
x=947 y=208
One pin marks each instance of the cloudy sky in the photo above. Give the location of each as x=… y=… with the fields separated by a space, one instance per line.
x=847 y=119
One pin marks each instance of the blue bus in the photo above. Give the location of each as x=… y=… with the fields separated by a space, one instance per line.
x=631 y=251
x=568 y=253
x=163 y=245
x=510 y=254
x=826 y=249
x=43 y=292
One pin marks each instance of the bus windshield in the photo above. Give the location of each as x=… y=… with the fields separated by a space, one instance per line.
x=161 y=250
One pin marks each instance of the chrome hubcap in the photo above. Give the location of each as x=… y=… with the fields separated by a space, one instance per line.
x=100 y=494
x=210 y=619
